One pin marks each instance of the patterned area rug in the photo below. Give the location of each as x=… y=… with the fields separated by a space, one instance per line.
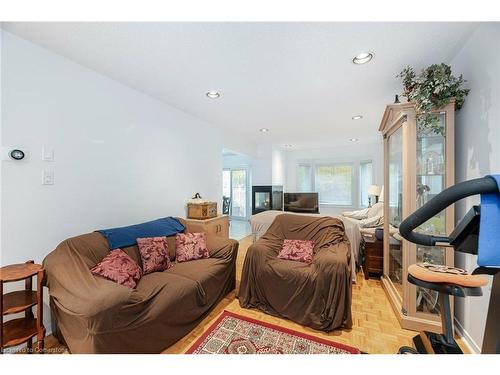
x=236 y=334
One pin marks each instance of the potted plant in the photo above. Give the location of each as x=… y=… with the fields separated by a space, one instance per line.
x=433 y=88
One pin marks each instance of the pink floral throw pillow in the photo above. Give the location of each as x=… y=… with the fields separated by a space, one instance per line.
x=190 y=246
x=118 y=267
x=301 y=251
x=154 y=254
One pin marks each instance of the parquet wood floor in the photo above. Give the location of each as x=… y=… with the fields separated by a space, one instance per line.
x=375 y=328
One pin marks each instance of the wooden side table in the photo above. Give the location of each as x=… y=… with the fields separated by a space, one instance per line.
x=17 y=331
x=374 y=258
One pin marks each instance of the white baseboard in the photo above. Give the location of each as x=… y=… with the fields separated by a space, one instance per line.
x=468 y=340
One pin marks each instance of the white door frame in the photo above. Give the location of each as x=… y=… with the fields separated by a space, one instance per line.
x=248 y=189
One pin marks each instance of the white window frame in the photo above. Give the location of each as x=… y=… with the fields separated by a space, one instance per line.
x=354 y=185
x=364 y=161
x=304 y=164
x=248 y=171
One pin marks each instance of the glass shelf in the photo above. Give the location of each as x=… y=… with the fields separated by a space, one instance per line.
x=430 y=173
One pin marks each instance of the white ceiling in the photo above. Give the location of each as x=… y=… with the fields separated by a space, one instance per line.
x=296 y=79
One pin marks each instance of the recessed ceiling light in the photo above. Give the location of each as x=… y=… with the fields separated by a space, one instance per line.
x=213 y=94
x=362 y=58
x=353 y=139
x=263 y=130
x=357 y=117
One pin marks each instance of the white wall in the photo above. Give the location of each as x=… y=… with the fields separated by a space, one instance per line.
x=241 y=145
x=236 y=161
x=354 y=153
x=1 y=127
x=278 y=163
x=269 y=166
x=477 y=150
x=262 y=166
x=121 y=157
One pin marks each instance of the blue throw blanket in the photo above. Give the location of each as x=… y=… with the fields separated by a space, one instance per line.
x=489 y=229
x=127 y=236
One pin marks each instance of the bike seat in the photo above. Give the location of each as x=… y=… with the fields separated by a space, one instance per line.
x=447 y=288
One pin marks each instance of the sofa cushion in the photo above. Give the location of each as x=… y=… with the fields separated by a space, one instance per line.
x=154 y=254
x=191 y=246
x=298 y=250
x=118 y=267
x=195 y=283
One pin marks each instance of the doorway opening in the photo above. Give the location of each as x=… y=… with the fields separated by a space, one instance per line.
x=234 y=189
x=236 y=192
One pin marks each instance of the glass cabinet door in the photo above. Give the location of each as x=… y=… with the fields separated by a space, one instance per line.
x=395 y=168
x=418 y=165
x=431 y=180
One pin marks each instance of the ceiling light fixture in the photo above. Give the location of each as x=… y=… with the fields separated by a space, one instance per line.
x=362 y=58
x=357 y=117
x=213 y=94
x=263 y=130
x=353 y=139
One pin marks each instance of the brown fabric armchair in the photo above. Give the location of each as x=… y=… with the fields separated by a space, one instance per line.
x=95 y=315
x=317 y=295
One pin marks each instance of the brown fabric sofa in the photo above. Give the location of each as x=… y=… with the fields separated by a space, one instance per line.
x=95 y=315
x=317 y=295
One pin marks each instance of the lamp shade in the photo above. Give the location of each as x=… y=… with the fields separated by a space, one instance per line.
x=374 y=190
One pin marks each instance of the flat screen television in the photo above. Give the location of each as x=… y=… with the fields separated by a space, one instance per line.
x=301 y=202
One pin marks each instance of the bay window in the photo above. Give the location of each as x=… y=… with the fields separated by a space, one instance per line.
x=365 y=180
x=337 y=184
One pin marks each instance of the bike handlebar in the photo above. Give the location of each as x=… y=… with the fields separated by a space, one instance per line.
x=484 y=185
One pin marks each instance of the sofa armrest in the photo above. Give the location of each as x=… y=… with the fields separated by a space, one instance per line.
x=77 y=292
x=219 y=247
x=109 y=298
x=337 y=255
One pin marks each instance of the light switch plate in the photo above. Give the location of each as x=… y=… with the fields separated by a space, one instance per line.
x=47 y=177
x=47 y=154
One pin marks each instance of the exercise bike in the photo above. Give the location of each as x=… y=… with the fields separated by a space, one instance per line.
x=464 y=238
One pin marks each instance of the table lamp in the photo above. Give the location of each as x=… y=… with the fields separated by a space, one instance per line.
x=375 y=191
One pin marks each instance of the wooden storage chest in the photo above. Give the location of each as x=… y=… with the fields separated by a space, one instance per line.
x=202 y=211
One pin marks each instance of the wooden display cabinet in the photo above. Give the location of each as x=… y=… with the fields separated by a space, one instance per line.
x=418 y=164
x=218 y=226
